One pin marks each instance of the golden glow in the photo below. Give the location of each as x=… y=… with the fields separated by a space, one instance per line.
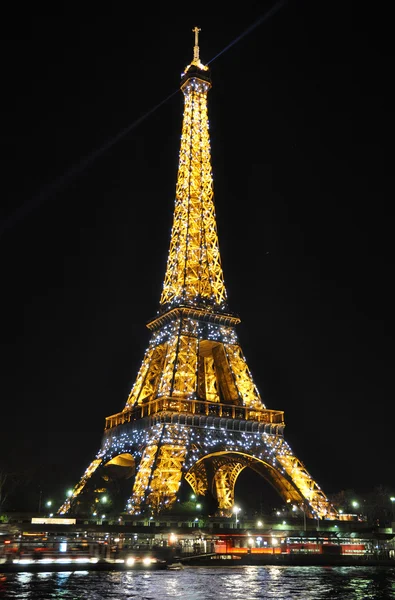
x=80 y=486
x=196 y=60
x=294 y=484
x=122 y=460
x=194 y=389
x=194 y=273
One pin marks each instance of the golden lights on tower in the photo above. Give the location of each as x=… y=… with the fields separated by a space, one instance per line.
x=194 y=400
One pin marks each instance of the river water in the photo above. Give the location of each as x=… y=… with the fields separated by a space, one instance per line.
x=207 y=583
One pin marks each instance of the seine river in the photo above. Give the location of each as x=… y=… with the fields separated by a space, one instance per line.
x=207 y=583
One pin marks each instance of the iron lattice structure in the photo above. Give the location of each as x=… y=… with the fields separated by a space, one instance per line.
x=194 y=412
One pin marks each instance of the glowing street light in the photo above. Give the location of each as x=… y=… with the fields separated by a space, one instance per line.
x=172 y=538
x=48 y=503
x=236 y=510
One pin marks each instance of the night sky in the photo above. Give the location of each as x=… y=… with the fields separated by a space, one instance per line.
x=301 y=121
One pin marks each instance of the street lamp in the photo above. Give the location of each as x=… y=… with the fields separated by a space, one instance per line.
x=303 y=509
x=316 y=515
x=392 y=498
x=236 y=510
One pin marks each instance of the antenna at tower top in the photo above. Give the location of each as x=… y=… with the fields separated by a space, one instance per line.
x=196 y=60
x=196 y=47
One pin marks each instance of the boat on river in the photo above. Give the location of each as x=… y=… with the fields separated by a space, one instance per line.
x=175 y=566
x=61 y=562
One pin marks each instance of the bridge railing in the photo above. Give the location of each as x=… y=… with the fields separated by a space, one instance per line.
x=194 y=407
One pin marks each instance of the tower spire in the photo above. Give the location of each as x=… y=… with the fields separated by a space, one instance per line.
x=196 y=58
x=196 y=47
x=194 y=276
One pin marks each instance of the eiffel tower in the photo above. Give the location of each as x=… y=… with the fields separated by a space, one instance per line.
x=194 y=413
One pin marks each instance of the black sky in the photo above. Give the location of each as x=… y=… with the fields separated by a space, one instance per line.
x=301 y=124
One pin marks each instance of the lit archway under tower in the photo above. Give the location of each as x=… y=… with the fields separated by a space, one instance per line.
x=194 y=413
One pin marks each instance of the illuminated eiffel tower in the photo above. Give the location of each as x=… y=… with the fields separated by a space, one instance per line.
x=194 y=413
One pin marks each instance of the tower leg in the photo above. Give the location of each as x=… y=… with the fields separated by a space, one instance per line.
x=197 y=479
x=224 y=482
x=159 y=473
x=80 y=486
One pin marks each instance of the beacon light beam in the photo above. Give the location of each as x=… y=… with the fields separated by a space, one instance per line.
x=67 y=177
x=48 y=190
x=261 y=20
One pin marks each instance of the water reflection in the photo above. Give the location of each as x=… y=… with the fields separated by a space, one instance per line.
x=201 y=583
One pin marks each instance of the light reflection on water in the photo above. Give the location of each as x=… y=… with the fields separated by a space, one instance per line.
x=204 y=583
